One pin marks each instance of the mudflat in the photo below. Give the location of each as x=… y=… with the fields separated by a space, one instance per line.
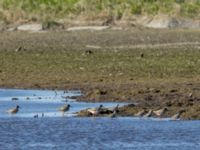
x=151 y=68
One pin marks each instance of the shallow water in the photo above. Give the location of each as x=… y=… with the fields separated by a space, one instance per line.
x=54 y=131
x=34 y=102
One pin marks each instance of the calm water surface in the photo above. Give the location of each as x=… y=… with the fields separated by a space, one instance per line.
x=54 y=131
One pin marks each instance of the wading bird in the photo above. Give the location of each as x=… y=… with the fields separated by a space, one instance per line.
x=160 y=112
x=14 y=110
x=149 y=114
x=95 y=111
x=140 y=113
x=177 y=116
x=64 y=108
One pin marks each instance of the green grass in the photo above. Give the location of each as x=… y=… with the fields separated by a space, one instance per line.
x=12 y=10
x=74 y=66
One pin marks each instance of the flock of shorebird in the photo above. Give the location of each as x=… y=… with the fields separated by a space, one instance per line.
x=66 y=107
x=151 y=113
x=158 y=113
x=112 y=111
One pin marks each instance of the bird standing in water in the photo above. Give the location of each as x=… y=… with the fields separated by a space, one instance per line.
x=35 y=116
x=64 y=108
x=14 y=110
x=140 y=113
x=114 y=114
x=178 y=115
x=149 y=114
x=116 y=109
x=160 y=112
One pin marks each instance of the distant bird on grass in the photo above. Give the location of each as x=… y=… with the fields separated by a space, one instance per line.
x=14 y=110
x=64 y=108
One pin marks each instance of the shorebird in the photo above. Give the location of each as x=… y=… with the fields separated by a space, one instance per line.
x=149 y=114
x=140 y=113
x=116 y=108
x=160 y=112
x=190 y=95
x=15 y=99
x=95 y=111
x=14 y=110
x=64 y=108
x=177 y=116
x=55 y=93
x=114 y=114
x=35 y=116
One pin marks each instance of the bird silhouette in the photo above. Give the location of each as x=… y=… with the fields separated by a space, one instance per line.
x=14 y=110
x=95 y=111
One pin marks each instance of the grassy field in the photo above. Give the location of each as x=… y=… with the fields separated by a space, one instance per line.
x=43 y=10
x=113 y=66
x=58 y=58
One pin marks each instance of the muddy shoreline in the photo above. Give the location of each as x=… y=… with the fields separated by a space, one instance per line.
x=63 y=60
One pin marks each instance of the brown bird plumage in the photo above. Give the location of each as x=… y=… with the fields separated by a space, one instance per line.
x=178 y=115
x=149 y=114
x=14 y=110
x=95 y=111
x=160 y=112
x=140 y=113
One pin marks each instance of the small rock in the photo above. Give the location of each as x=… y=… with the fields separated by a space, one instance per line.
x=15 y=99
x=173 y=91
x=93 y=46
x=11 y=29
x=30 y=27
x=131 y=105
x=35 y=116
x=93 y=28
x=100 y=92
x=53 y=25
x=20 y=48
x=141 y=55
x=116 y=28
x=190 y=95
x=88 y=52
